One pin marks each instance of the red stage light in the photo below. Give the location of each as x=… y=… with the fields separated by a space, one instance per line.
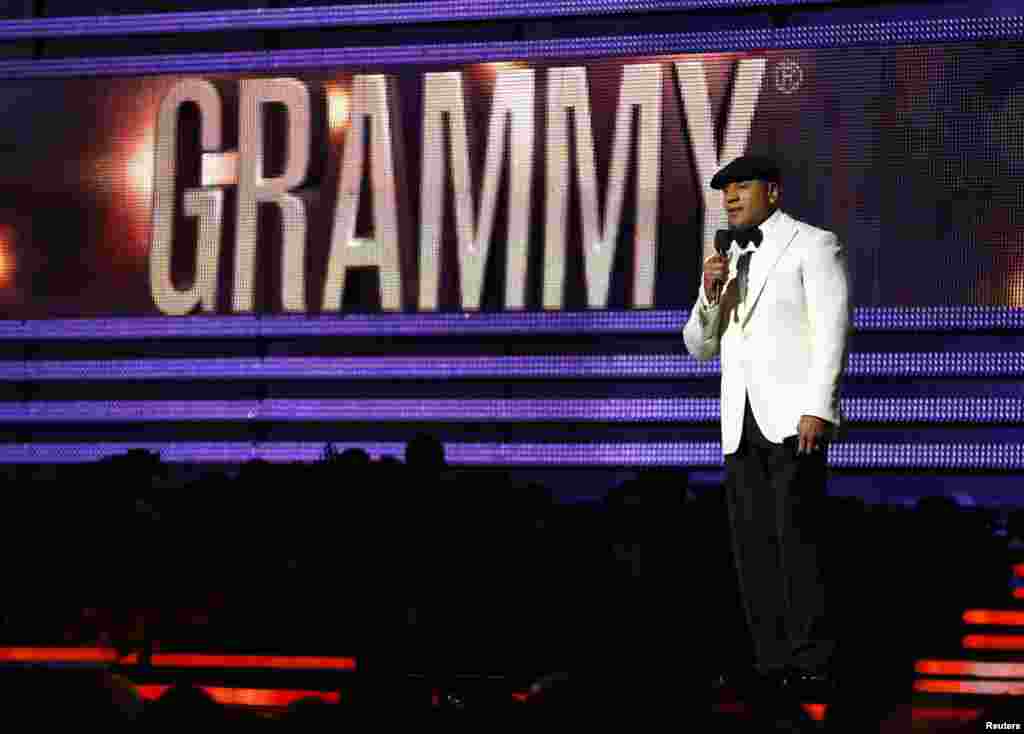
x=263 y=697
x=816 y=711
x=1002 y=618
x=174 y=660
x=994 y=642
x=970 y=687
x=970 y=668
x=266 y=662
x=58 y=655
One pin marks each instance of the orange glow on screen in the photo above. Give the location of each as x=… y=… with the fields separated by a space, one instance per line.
x=140 y=171
x=6 y=255
x=124 y=177
x=337 y=109
x=1015 y=295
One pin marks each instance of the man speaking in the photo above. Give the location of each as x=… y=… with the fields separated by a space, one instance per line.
x=774 y=306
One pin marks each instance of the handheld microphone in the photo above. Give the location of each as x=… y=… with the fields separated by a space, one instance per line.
x=723 y=238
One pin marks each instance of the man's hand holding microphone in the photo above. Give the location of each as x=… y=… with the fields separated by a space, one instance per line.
x=716 y=272
x=716 y=267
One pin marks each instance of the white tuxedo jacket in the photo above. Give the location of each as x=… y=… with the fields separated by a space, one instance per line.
x=786 y=345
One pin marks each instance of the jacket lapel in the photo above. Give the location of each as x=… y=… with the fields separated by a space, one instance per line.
x=787 y=231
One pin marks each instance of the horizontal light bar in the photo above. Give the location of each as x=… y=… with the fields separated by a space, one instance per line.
x=669 y=322
x=1018 y=570
x=994 y=642
x=425 y=324
x=243 y=662
x=457 y=454
x=90 y=655
x=175 y=660
x=886 y=33
x=424 y=11
x=611 y=410
x=994 y=617
x=128 y=411
x=970 y=668
x=361 y=368
x=261 y=697
x=1004 y=457
x=934 y=410
x=615 y=366
x=970 y=687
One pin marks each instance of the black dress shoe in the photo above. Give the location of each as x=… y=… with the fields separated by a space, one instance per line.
x=725 y=680
x=721 y=681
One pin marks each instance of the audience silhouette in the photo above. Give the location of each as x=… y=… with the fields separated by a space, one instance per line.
x=432 y=577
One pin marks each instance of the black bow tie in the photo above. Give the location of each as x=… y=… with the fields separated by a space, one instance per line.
x=744 y=237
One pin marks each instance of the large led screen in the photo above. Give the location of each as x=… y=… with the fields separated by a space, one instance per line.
x=562 y=185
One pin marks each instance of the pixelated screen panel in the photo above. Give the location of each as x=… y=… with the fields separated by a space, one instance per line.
x=506 y=186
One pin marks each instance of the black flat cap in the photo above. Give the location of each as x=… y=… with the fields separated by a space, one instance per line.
x=747 y=168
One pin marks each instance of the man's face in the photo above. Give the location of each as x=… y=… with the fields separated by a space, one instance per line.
x=749 y=203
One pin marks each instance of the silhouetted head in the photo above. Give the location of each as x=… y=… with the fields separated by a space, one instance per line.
x=354 y=458
x=185 y=704
x=425 y=453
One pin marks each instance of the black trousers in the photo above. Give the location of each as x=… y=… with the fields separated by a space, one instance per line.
x=776 y=503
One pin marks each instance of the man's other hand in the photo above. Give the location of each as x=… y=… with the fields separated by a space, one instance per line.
x=811 y=434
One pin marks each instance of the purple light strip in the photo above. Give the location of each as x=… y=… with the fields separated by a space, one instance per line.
x=934 y=410
x=618 y=366
x=1006 y=457
x=128 y=411
x=426 y=324
x=933 y=31
x=884 y=319
x=425 y=11
x=352 y=368
x=615 y=410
